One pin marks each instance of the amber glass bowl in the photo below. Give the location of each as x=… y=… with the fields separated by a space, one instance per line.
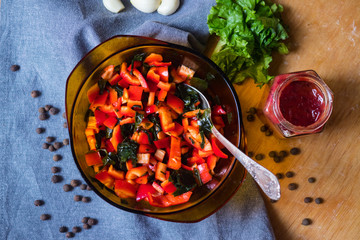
x=229 y=174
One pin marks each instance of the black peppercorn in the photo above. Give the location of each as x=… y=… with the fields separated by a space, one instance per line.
x=273 y=201
x=45 y=217
x=88 y=188
x=57 y=157
x=85 y=219
x=250 y=154
x=264 y=128
x=312 y=180
x=295 y=151
x=308 y=200
x=75 y=182
x=92 y=221
x=64 y=115
x=65 y=125
x=53 y=111
x=319 y=200
x=58 y=145
x=252 y=110
x=45 y=145
x=55 y=169
x=283 y=153
x=56 y=178
x=289 y=174
x=66 y=141
x=14 y=68
x=279 y=176
x=86 y=199
x=86 y=226
x=47 y=107
x=277 y=159
x=292 y=186
x=77 y=198
x=83 y=186
x=268 y=132
x=52 y=148
x=70 y=234
x=50 y=139
x=40 y=130
x=306 y=221
x=250 y=118
x=67 y=188
x=76 y=229
x=259 y=156
x=38 y=203
x=41 y=110
x=63 y=229
x=35 y=93
x=272 y=154
x=43 y=116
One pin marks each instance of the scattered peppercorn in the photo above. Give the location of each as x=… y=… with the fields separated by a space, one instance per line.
x=86 y=199
x=264 y=128
x=55 y=169
x=43 y=116
x=63 y=229
x=306 y=221
x=289 y=174
x=35 y=93
x=312 y=180
x=77 y=198
x=83 y=186
x=292 y=186
x=250 y=118
x=40 y=130
x=54 y=111
x=52 y=148
x=45 y=145
x=45 y=217
x=56 y=178
x=86 y=226
x=88 y=188
x=259 y=156
x=65 y=125
x=252 y=110
x=85 y=219
x=75 y=182
x=14 y=68
x=277 y=159
x=70 y=235
x=283 y=153
x=279 y=176
x=58 y=145
x=38 y=203
x=272 y=154
x=57 y=157
x=67 y=188
x=50 y=139
x=268 y=132
x=92 y=221
x=250 y=154
x=64 y=115
x=319 y=200
x=66 y=141
x=308 y=200
x=295 y=151
x=76 y=229
x=47 y=107
x=41 y=110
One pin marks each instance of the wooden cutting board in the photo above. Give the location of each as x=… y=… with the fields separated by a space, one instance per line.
x=325 y=37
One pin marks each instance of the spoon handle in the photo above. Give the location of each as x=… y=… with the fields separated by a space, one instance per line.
x=267 y=181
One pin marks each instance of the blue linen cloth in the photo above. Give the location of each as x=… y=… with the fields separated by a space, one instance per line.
x=47 y=38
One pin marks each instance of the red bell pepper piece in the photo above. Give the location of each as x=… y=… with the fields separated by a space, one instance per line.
x=108 y=72
x=146 y=148
x=151 y=109
x=216 y=149
x=163 y=72
x=185 y=72
x=160 y=171
x=116 y=137
x=218 y=110
x=117 y=174
x=162 y=95
x=108 y=146
x=175 y=103
x=183 y=198
x=143 y=191
x=100 y=117
x=135 y=92
x=175 y=153
x=93 y=92
x=205 y=175
x=218 y=120
x=105 y=178
x=113 y=96
x=166 y=119
x=127 y=121
x=159 y=201
x=162 y=143
x=152 y=76
x=110 y=122
x=136 y=172
x=142 y=180
x=164 y=86
x=176 y=77
x=93 y=158
x=177 y=131
x=127 y=111
x=143 y=138
x=125 y=74
x=159 y=64
x=139 y=76
x=211 y=162
x=153 y=57
x=123 y=83
x=168 y=187
x=114 y=79
x=124 y=189
x=99 y=100
x=186 y=167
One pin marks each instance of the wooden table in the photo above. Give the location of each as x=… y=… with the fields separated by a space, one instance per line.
x=325 y=37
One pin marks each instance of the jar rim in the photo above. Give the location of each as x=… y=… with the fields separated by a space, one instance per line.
x=312 y=77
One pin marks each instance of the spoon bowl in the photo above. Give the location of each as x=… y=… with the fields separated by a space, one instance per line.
x=266 y=180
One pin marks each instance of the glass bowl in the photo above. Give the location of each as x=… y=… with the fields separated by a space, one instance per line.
x=229 y=173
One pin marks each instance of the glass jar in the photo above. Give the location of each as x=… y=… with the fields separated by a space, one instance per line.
x=298 y=103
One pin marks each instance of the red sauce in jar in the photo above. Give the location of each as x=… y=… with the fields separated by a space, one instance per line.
x=301 y=103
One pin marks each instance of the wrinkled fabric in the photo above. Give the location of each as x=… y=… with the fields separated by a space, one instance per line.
x=47 y=38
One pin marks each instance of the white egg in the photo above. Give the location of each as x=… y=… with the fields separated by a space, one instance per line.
x=114 y=6
x=146 y=6
x=168 y=7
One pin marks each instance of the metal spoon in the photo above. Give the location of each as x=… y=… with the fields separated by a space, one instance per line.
x=267 y=181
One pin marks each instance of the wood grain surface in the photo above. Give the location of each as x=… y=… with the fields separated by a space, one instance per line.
x=325 y=37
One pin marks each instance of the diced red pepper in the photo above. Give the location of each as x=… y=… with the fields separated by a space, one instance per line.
x=113 y=96
x=168 y=187
x=123 y=83
x=105 y=178
x=100 y=117
x=139 y=76
x=177 y=131
x=143 y=138
x=211 y=162
x=218 y=110
x=216 y=149
x=143 y=191
x=175 y=154
x=158 y=187
x=162 y=143
x=110 y=122
x=99 y=100
x=218 y=120
x=142 y=180
x=183 y=198
x=164 y=86
x=163 y=73
x=127 y=111
x=153 y=57
x=159 y=64
x=108 y=72
x=152 y=76
x=160 y=171
x=166 y=119
x=159 y=201
x=146 y=148
x=108 y=146
x=162 y=95
x=127 y=120
x=125 y=74
x=151 y=109
x=185 y=72
x=135 y=92
x=124 y=189
x=186 y=167
x=116 y=138
x=93 y=158
x=175 y=103
x=117 y=174
x=204 y=172
x=136 y=172
x=93 y=92
x=114 y=79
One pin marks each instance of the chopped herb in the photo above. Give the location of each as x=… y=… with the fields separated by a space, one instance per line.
x=127 y=150
x=98 y=137
x=109 y=159
x=197 y=177
x=183 y=180
x=189 y=96
x=157 y=127
x=127 y=129
x=108 y=132
x=138 y=57
x=102 y=84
